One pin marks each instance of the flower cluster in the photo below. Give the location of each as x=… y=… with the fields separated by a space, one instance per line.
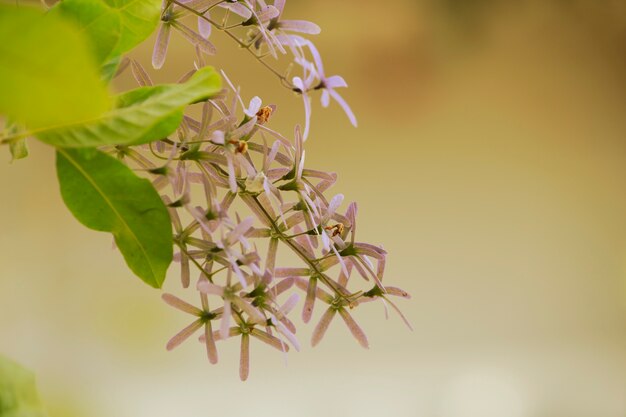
x=265 y=34
x=238 y=191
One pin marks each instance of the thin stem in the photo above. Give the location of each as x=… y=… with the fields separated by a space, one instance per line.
x=226 y=30
x=183 y=249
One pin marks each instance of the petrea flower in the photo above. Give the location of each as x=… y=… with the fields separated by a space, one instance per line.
x=328 y=85
x=204 y=317
x=209 y=166
x=300 y=26
x=170 y=18
x=335 y=305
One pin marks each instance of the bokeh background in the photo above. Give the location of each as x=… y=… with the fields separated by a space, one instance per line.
x=490 y=161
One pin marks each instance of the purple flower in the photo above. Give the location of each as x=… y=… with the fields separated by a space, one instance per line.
x=328 y=85
x=170 y=18
x=335 y=305
x=204 y=317
x=300 y=26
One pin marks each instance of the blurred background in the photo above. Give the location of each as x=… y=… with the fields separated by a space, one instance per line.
x=490 y=161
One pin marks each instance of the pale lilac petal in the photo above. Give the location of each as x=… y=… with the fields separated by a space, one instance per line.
x=340 y=258
x=253 y=312
x=244 y=358
x=301 y=26
x=204 y=45
x=325 y=241
x=253 y=108
x=140 y=74
x=356 y=331
x=351 y=215
x=270 y=261
x=183 y=335
x=397 y=292
x=322 y=326
x=404 y=319
x=233 y=331
x=335 y=81
x=291 y=272
x=225 y=322
x=309 y=302
x=160 y=46
x=317 y=59
x=232 y=179
x=328 y=176
x=299 y=176
x=334 y=204
x=282 y=329
x=344 y=106
x=217 y=137
x=370 y=250
x=209 y=288
x=325 y=99
x=281 y=287
x=303 y=284
x=238 y=8
x=204 y=27
x=184 y=270
x=297 y=81
x=240 y=230
x=209 y=341
x=386 y=308
x=290 y=303
x=243 y=130
x=269 y=339
x=267 y=14
x=272 y=154
x=180 y=304
x=280 y=5
x=283 y=160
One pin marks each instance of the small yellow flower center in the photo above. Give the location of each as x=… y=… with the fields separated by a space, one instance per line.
x=336 y=229
x=263 y=115
x=240 y=146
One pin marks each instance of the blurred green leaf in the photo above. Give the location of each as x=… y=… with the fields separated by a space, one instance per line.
x=114 y=26
x=18 y=393
x=98 y=20
x=18 y=149
x=48 y=75
x=142 y=115
x=105 y=195
x=138 y=18
x=111 y=67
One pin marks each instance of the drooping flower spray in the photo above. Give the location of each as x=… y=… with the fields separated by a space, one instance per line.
x=233 y=185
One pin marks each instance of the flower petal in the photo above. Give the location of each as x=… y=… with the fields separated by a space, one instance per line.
x=160 y=46
x=244 y=358
x=180 y=304
x=322 y=326
x=356 y=331
x=211 y=349
x=183 y=335
x=301 y=26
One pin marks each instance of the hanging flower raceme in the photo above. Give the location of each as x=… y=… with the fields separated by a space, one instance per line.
x=239 y=194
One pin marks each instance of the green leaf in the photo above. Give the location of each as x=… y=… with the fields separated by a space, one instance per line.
x=18 y=393
x=114 y=26
x=99 y=21
x=110 y=68
x=142 y=115
x=139 y=18
x=48 y=75
x=18 y=149
x=105 y=195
